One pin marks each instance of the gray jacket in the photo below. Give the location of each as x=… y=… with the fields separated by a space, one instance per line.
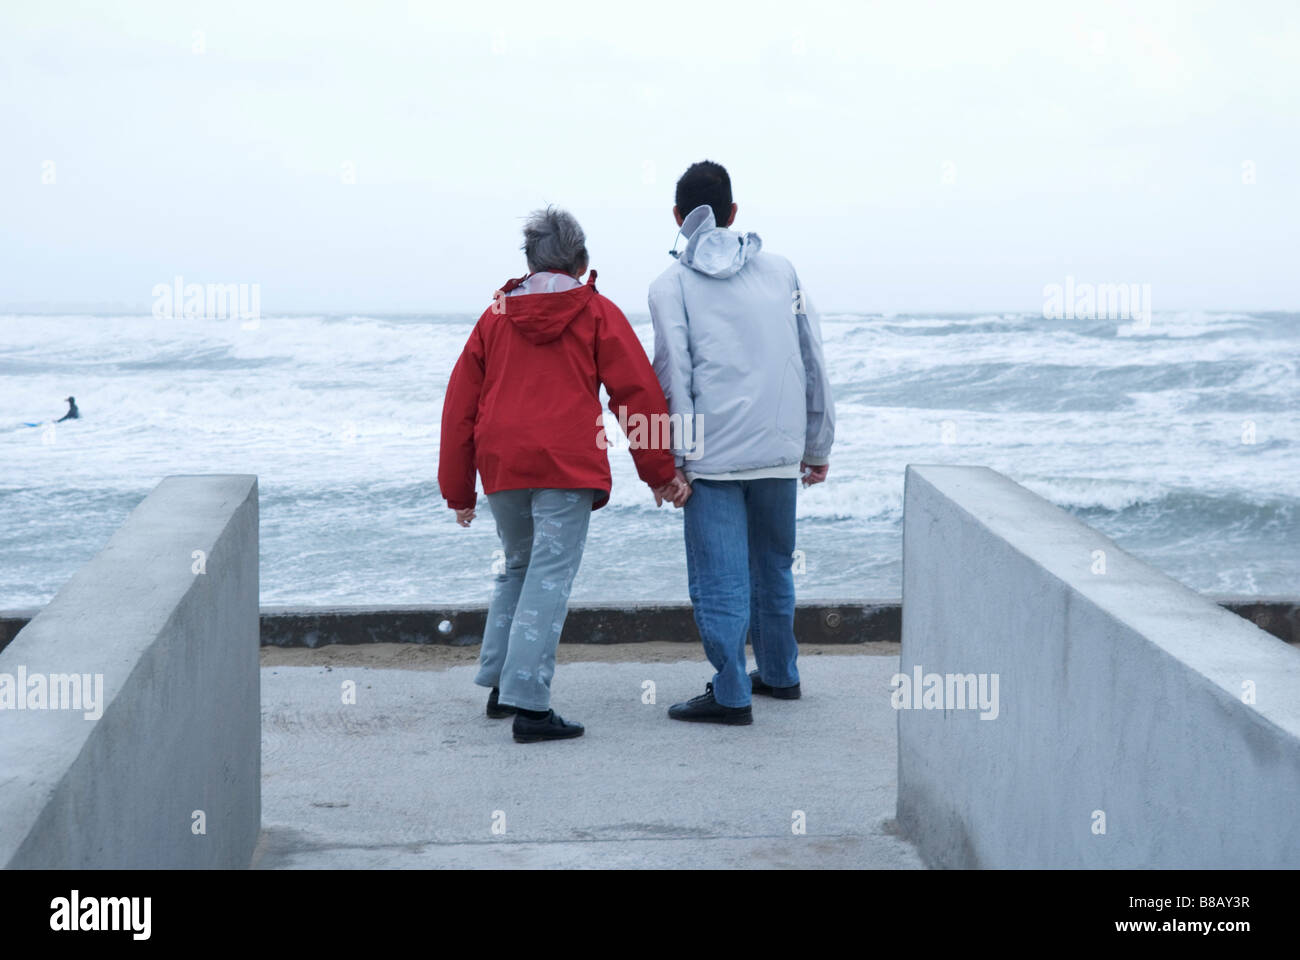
x=739 y=356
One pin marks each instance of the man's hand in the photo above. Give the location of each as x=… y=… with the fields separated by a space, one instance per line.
x=813 y=475
x=684 y=486
x=465 y=517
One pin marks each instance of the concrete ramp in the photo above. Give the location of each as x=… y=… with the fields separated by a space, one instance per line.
x=413 y=775
x=129 y=707
x=1119 y=719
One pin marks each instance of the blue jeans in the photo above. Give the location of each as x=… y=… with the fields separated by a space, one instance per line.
x=739 y=547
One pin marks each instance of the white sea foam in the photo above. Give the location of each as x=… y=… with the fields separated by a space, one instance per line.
x=339 y=417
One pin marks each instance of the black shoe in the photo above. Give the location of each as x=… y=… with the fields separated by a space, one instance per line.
x=705 y=709
x=497 y=710
x=781 y=693
x=550 y=727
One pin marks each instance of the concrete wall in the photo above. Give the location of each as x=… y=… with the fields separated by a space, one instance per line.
x=1120 y=693
x=180 y=727
x=821 y=622
x=816 y=621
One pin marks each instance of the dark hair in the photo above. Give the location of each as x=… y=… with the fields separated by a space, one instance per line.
x=703 y=183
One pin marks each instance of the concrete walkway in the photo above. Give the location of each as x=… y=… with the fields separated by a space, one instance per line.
x=414 y=775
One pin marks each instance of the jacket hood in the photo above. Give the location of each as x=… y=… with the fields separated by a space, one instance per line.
x=542 y=317
x=713 y=250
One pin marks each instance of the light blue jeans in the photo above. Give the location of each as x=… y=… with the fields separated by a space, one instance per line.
x=739 y=551
x=543 y=533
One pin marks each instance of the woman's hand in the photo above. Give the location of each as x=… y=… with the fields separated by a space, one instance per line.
x=676 y=492
x=664 y=493
x=465 y=517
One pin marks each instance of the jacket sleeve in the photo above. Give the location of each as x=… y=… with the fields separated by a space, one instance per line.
x=459 y=413
x=672 y=363
x=625 y=371
x=820 y=404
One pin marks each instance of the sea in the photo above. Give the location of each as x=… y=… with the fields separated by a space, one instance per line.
x=1179 y=439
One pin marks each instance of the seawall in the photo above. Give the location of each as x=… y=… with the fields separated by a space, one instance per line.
x=818 y=621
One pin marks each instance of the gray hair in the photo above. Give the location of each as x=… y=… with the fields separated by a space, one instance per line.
x=554 y=241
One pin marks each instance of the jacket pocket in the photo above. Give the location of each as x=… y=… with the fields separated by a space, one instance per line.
x=791 y=412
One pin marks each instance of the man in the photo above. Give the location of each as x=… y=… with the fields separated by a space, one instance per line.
x=738 y=354
x=73 y=413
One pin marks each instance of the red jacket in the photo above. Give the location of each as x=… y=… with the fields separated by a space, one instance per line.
x=523 y=403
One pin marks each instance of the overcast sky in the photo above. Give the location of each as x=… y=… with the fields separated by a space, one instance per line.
x=906 y=156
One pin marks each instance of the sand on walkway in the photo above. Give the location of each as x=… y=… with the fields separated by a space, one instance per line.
x=416 y=656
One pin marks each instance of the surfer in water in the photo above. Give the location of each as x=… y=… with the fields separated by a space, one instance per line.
x=73 y=413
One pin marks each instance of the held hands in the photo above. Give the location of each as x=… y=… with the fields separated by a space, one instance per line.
x=676 y=492
x=813 y=475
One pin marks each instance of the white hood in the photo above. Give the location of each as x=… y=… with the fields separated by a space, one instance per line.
x=713 y=250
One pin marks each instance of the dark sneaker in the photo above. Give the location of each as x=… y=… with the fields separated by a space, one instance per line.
x=551 y=727
x=497 y=710
x=766 y=690
x=705 y=709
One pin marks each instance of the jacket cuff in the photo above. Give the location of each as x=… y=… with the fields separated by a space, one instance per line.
x=669 y=479
x=812 y=461
x=464 y=504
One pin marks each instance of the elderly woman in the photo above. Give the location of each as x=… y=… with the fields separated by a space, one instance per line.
x=523 y=408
